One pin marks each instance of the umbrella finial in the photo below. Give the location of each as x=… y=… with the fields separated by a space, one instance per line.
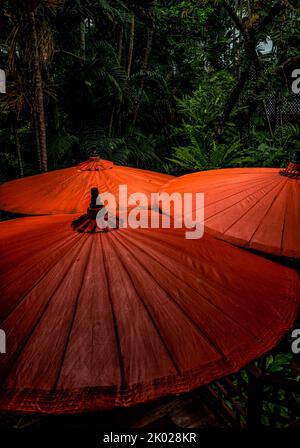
x=87 y=222
x=94 y=207
x=94 y=196
x=293 y=168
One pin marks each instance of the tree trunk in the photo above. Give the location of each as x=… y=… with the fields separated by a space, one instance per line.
x=18 y=146
x=37 y=139
x=235 y=95
x=120 y=51
x=251 y=38
x=120 y=45
x=82 y=40
x=249 y=9
x=39 y=95
x=111 y=122
x=144 y=68
x=131 y=44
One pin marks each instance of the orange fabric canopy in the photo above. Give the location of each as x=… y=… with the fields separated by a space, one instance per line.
x=257 y=208
x=98 y=320
x=68 y=190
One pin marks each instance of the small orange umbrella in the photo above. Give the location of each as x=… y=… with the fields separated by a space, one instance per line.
x=98 y=319
x=67 y=190
x=257 y=208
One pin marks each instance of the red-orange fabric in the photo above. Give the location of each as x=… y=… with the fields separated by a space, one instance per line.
x=255 y=208
x=95 y=321
x=68 y=190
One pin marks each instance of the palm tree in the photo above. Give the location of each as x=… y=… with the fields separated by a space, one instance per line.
x=39 y=95
x=30 y=48
x=131 y=45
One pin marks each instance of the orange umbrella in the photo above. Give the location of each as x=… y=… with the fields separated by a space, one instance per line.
x=67 y=190
x=104 y=319
x=257 y=208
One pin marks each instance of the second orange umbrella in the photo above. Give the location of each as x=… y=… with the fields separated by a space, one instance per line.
x=68 y=190
x=256 y=208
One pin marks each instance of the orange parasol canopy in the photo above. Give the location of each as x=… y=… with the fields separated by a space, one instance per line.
x=257 y=208
x=67 y=190
x=102 y=319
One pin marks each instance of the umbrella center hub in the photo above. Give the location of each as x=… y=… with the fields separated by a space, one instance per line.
x=95 y=163
x=292 y=171
x=88 y=223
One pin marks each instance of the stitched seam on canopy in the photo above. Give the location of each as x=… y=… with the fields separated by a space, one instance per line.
x=68 y=339
x=164 y=343
x=249 y=185
x=284 y=225
x=267 y=183
x=68 y=241
x=37 y=322
x=244 y=199
x=114 y=318
x=200 y=293
x=189 y=318
x=36 y=284
x=250 y=208
x=267 y=211
x=206 y=174
x=47 y=403
x=63 y=184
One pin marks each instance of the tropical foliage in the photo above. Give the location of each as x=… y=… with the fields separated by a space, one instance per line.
x=172 y=85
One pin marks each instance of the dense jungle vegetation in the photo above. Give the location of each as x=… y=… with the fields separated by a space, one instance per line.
x=171 y=85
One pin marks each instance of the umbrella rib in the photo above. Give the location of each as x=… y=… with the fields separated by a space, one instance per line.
x=38 y=321
x=269 y=208
x=284 y=224
x=206 y=337
x=114 y=319
x=60 y=246
x=150 y=316
x=200 y=294
x=63 y=184
x=90 y=240
x=111 y=186
x=86 y=189
x=140 y=179
x=33 y=286
x=250 y=208
x=239 y=201
x=250 y=183
x=273 y=201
